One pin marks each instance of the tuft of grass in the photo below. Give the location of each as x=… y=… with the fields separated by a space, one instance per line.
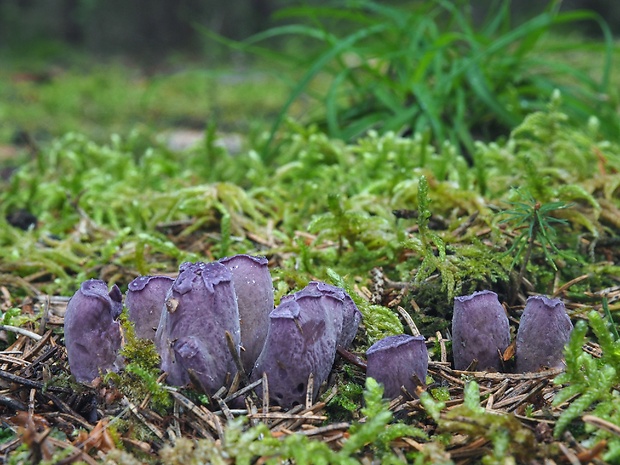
x=430 y=68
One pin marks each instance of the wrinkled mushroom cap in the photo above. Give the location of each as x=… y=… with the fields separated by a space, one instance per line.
x=145 y=300
x=544 y=331
x=202 y=304
x=480 y=331
x=302 y=337
x=254 y=290
x=92 y=332
x=396 y=361
x=351 y=316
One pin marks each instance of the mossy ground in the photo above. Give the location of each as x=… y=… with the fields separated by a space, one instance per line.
x=402 y=224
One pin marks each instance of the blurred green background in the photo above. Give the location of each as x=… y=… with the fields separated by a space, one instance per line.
x=102 y=67
x=146 y=30
x=149 y=29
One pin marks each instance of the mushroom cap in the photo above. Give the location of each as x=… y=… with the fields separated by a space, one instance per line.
x=302 y=337
x=92 y=332
x=351 y=316
x=480 y=331
x=544 y=331
x=396 y=361
x=145 y=299
x=254 y=290
x=201 y=303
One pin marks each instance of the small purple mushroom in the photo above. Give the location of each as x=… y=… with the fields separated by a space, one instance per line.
x=480 y=331
x=302 y=337
x=92 y=332
x=254 y=290
x=544 y=331
x=145 y=300
x=397 y=361
x=351 y=316
x=201 y=307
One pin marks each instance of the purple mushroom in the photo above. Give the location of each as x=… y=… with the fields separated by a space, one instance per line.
x=544 y=330
x=92 y=332
x=201 y=307
x=397 y=361
x=254 y=290
x=351 y=316
x=480 y=331
x=302 y=337
x=145 y=300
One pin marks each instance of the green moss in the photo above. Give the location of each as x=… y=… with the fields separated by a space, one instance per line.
x=510 y=439
x=346 y=402
x=323 y=209
x=138 y=380
x=591 y=381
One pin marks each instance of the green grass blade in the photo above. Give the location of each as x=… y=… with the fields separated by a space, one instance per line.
x=429 y=107
x=481 y=88
x=316 y=67
x=290 y=29
x=331 y=103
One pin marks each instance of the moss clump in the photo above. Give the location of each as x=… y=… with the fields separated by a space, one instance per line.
x=139 y=379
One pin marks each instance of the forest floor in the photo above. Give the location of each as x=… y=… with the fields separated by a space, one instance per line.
x=402 y=225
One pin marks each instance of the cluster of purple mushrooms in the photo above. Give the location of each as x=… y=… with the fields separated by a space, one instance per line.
x=216 y=319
